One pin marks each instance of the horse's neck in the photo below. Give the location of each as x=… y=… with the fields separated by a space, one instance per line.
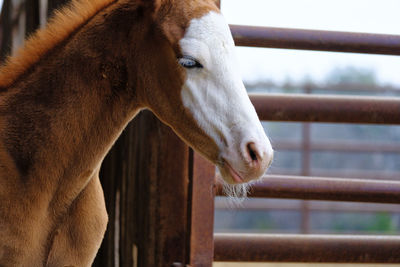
x=62 y=118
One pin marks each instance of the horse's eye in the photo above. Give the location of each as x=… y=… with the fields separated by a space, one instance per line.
x=189 y=62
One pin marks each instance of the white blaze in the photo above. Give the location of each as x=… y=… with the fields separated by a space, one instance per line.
x=215 y=94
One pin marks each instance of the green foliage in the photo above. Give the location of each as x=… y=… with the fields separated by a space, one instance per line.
x=263 y=224
x=383 y=222
x=379 y=222
x=349 y=75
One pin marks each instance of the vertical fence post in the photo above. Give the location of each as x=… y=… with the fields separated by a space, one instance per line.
x=6 y=36
x=32 y=16
x=202 y=192
x=306 y=168
x=159 y=204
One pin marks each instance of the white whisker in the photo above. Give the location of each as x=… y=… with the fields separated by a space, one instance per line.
x=236 y=193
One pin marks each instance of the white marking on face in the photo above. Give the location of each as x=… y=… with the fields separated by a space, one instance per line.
x=217 y=98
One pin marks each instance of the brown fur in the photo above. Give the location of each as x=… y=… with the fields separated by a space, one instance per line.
x=67 y=96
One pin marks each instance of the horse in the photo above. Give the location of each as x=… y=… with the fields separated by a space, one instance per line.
x=68 y=93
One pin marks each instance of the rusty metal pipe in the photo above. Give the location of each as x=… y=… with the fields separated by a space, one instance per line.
x=334 y=189
x=343 y=146
x=324 y=108
x=343 y=173
x=307 y=248
x=267 y=205
x=334 y=41
x=343 y=87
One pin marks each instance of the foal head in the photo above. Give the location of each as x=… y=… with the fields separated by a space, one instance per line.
x=196 y=89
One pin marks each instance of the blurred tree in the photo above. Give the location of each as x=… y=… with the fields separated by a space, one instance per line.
x=351 y=74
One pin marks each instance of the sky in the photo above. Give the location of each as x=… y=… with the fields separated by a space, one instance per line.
x=371 y=16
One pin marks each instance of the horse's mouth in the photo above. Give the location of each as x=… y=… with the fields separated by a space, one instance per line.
x=236 y=177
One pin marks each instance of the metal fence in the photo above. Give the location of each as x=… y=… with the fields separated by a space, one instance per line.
x=318 y=108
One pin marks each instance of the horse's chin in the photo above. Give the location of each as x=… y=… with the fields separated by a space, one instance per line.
x=237 y=192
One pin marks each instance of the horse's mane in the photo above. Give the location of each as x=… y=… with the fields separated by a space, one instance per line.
x=63 y=23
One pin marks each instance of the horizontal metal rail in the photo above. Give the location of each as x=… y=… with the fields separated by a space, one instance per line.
x=379 y=175
x=342 y=146
x=333 y=189
x=334 y=41
x=342 y=87
x=323 y=108
x=307 y=248
x=259 y=204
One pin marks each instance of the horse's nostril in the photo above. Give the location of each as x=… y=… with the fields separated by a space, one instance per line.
x=251 y=148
